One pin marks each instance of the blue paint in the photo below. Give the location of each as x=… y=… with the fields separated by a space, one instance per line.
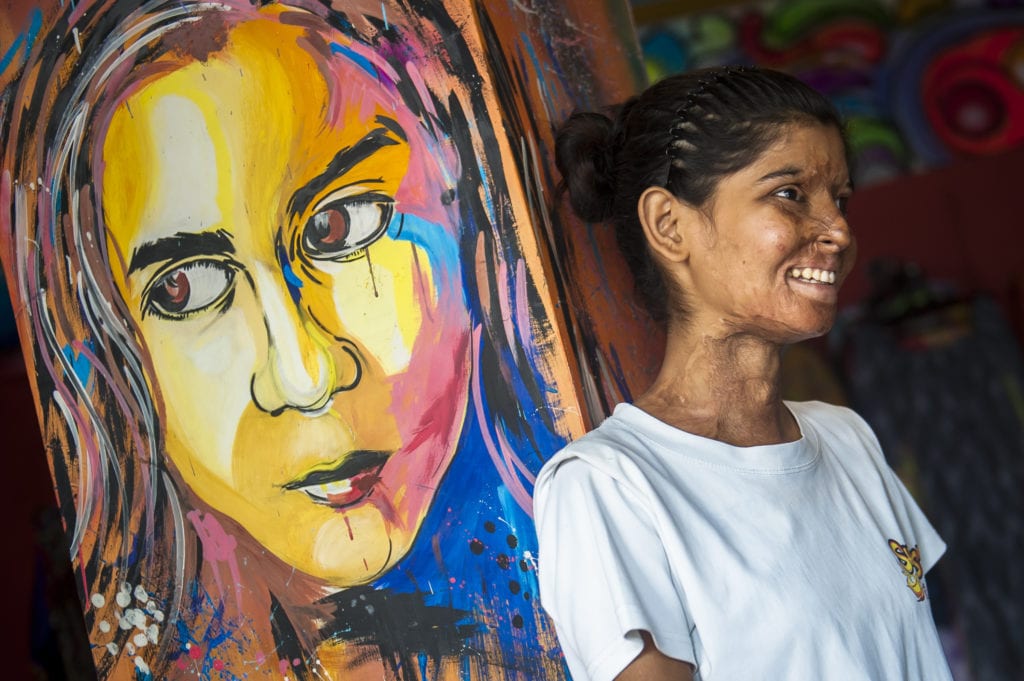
x=422 y=659
x=356 y=58
x=439 y=243
x=290 y=278
x=218 y=632
x=80 y=364
x=26 y=40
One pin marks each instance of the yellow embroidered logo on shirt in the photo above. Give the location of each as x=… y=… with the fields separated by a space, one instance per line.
x=910 y=563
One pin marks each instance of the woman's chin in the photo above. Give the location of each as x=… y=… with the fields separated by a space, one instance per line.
x=352 y=551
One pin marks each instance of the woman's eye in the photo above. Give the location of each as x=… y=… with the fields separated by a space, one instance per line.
x=841 y=202
x=190 y=288
x=343 y=227
x=790 y=193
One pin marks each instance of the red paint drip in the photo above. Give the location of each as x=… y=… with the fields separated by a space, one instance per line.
x=349 y=526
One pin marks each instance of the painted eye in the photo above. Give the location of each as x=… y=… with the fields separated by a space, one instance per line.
x=342 y=228
x=190 y=288
x=841 y=203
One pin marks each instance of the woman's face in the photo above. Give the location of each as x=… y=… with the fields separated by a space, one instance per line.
x=276 y=222
x=778 y=245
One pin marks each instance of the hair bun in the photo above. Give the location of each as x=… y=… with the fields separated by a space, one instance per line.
x=584 y=155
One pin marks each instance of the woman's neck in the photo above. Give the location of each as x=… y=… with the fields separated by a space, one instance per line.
x=722 y=387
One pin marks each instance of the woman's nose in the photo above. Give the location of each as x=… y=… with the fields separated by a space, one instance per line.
x=302 y=368
x=834 y=231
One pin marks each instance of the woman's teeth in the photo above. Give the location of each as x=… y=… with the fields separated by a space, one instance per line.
x=813 y=274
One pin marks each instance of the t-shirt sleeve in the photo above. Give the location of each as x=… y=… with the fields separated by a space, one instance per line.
x=918 y=529
x=930 y=544
x=603 y=573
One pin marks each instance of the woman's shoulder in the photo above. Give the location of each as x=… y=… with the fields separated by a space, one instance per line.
x=613 y=449
x=840 y=430
x=830 y=417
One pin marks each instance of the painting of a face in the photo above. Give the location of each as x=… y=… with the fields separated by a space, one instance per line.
x=278 y=225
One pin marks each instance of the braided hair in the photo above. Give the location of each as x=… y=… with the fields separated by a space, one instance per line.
x=684 y=133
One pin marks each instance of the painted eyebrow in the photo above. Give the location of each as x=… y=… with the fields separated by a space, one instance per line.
x=181 y=246
x=345 y=160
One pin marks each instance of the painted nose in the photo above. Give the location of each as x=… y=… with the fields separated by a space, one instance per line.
x=302 y=369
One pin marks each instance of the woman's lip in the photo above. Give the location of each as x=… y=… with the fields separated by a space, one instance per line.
x=345 y=484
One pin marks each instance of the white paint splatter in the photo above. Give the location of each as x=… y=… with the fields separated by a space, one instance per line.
x=140 y=640
x=98 y=600
x=136 y=617
x=140 y=594
x=104 y=626
x=78 y=41
x=152 y=633
x=141 y=665
x=112 y=648
x=124 y=595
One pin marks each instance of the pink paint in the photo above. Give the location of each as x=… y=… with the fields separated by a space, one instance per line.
x=503 y=458
x=99 y=367
x=195 y=652
x=503 y=303
x=421 y=86
x=514 y=460
x=218 y=547
x=522 y=311
x=425 y=179
x=423 y=295
x=282 y=667
x=218 y=665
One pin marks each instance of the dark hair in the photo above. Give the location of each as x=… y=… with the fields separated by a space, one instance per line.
x=685 y=133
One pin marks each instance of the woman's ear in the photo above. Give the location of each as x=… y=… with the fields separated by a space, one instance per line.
x=662 y=215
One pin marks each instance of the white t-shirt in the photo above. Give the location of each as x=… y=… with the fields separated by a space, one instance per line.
x=788 y=562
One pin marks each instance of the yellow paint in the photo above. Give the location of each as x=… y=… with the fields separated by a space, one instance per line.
x=268 y=382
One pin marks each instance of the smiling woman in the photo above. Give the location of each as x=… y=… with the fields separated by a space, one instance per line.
x=729 y=533
x=267 y=305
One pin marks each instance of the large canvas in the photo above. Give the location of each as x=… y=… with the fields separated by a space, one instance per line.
x=281 y=279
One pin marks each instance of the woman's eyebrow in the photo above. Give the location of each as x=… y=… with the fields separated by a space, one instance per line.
x=345 y=160
x=181 y=246
x=788 y=171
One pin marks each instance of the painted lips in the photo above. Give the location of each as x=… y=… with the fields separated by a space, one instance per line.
x=347 y=483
